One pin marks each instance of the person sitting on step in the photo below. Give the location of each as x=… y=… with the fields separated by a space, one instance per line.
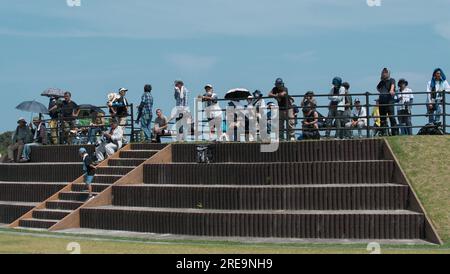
x=110 y=142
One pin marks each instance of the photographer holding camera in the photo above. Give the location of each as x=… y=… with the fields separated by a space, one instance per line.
x=111 y=141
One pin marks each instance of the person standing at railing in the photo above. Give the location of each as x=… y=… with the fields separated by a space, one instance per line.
x=286 y=113
x=435 y=89
x=358 y=119
x=386 y=88
x=69 y=112
x=336 y=109
x=348 y=108
x=377 y=120
x=121 y=106
x=53 y=112
x=145 y=113
x=213 y=112
x=181 y=112
x=404 y=100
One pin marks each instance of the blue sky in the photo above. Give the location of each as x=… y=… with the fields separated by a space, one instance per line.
x=106 y=44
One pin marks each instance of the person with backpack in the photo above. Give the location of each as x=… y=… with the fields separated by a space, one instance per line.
x=88 y=170
x=286 y=112
x=386 y=88
x=435 y=89
x=145 y=113
x=404 y=99
x=336 y=109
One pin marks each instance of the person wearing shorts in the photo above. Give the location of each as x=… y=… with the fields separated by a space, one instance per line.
x=88 y=169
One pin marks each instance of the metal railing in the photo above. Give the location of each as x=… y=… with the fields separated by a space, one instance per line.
x=417 y=110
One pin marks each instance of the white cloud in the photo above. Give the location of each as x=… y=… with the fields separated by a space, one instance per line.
x=191 y=63
x=443 y=30
x=198 y=18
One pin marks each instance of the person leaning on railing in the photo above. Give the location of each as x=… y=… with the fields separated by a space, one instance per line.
x=404 y=99
x=286 y=112
x=386 y=88
x=436 y=87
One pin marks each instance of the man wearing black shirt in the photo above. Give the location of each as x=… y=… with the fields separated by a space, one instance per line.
x=121 y=105
x=287 y=120
x=69 y=112
x=386 y=88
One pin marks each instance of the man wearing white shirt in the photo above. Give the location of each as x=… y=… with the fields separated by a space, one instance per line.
x=435 y=89
x=359 y=118
x=404 y=100
x=112 y=141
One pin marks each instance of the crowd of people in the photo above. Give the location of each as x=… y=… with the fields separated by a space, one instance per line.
x=345 y=114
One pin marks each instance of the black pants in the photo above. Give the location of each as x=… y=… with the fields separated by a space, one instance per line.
x=388 y=111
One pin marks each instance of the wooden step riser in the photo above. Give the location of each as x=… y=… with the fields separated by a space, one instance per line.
x=36 y=224
x=330 y=198
x=271 y=173
x=147 y=146
x=28 y=192
x=95 y=188
x=49 y=215
x=136 y=154
x=62 y=206
x=41 y=173
x=114 y=170
x=73 y=196
x=9 y=213
x=106 y=179
x=304 y=226
x=125 y=162
x=350 y=150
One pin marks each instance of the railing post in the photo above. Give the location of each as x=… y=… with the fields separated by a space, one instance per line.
x=367 y=114
x=132 y=123
x=444 y=112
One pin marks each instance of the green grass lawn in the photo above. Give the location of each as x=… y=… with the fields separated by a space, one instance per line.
x=12 y=241
x=426 y=161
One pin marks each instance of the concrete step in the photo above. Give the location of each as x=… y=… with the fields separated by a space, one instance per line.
x=37 y=223
x=50 y=214
x=64 y=205
x=400 y=224
x=114 y=170
x=130 y=154
x=95 y=187
x=75 y=196
x=106 y=179
x=131 y=162
x=292 y=197
x=350 y=172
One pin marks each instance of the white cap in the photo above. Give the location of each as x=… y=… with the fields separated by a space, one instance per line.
x=123 y=89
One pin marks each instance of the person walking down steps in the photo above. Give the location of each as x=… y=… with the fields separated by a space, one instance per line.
x=88 y=170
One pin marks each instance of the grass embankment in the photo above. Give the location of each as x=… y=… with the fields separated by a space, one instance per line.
x=426 y=162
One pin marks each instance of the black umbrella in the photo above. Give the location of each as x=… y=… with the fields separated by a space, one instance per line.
x=237 y=93
x=86 y=109
x=53 y=92
x=32 y=106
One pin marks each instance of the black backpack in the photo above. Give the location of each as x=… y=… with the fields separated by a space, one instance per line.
x=431 y=129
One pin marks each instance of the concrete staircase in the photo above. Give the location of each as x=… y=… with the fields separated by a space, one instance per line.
x=69 y=199
x=350 y=190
